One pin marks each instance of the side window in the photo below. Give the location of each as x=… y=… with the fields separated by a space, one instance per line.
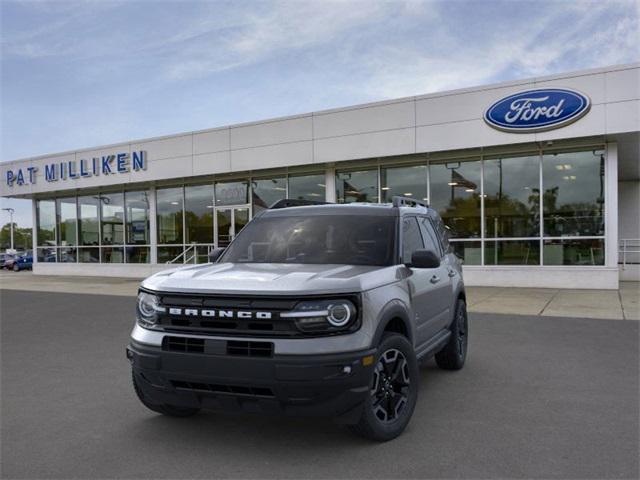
x=430 y=238
x=411 y=238
x=443 y=233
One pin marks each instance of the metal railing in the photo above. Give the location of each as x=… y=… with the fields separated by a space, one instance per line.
x=628 y=248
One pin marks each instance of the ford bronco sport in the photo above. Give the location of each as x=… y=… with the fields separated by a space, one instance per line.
x=313 y=309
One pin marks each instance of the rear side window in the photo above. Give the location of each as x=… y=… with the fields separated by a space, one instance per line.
x=430 y=238
x=411 y=238
x=443 y=233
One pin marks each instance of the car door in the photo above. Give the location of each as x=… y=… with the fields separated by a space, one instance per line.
x=443 y=286
x=424 y=283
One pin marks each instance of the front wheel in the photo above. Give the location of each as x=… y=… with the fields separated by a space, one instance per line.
x=16 y=268
x=169 y=410
x=454 y=353
x=393 y=391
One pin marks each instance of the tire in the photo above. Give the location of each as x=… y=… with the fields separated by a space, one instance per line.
x=16 y=268
x=393 y=391
x=169 y=410
x=454 y=353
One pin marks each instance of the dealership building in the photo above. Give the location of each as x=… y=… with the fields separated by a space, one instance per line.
x=536 y=179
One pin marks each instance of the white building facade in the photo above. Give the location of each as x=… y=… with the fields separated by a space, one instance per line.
x=537 y=180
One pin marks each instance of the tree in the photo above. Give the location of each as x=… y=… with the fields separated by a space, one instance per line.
x=21 y=237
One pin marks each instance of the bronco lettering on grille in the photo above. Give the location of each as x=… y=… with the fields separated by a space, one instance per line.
x=193 y=312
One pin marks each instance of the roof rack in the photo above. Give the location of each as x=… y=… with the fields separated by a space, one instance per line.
x=292 y=202
x=399 y=201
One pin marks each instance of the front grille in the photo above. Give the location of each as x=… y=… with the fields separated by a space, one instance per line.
x=228 y=389
x=243 y=315
x=274 y=326
x=250 y=349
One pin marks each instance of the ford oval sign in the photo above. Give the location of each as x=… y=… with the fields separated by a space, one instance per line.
x=537 y=110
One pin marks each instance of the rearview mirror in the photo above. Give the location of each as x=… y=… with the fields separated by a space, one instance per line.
x=424 y=259
x=215 y=254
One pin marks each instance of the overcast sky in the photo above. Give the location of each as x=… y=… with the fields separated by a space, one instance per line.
x=81 y=74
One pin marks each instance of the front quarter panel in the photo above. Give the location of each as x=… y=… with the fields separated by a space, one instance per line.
x=383 y=304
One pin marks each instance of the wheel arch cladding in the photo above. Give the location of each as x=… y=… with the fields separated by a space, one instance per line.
x=394 y=318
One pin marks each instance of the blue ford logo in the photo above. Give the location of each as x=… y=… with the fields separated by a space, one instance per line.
x=537 y=110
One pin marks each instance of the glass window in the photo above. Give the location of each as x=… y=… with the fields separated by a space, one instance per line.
x=455 y=195
x=232 y=193
x=67 y=254
x=469 y=252
x=167 y=254
x=112 y=217
x=89 y=255
x=359 y=186
x=67 y=227
x=267 y=191
x=573 y=252
x=404 y=181
x=112 y=255
x=137 y=254
x=512 y=252
x=88 y=221
x=411 y=238
x=319 y=239
x=512 y=197
x=429 y=236
x=169 y=206
x=47 y=254
x=573 y=198
x=307 y=187
x=46 y=222
x=198 y=213
x=137 y=218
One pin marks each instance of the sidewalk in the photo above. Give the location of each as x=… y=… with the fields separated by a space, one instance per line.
x=623 y=304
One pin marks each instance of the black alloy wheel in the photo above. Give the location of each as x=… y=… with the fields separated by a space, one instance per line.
x=390 y=389
x=454 y=353
x=393 y=391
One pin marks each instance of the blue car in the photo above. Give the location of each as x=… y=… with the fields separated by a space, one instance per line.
x=23 y=262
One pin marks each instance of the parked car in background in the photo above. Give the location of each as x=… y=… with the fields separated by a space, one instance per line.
x=23 y=262
x=7 y=260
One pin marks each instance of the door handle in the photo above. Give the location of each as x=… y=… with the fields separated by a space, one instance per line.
x=452 y=273
x=435 y=279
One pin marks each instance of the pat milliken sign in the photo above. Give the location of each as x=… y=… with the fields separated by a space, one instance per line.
x=105 y=165
x=537 y=110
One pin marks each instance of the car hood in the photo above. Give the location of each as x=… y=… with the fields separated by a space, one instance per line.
x=272 y=279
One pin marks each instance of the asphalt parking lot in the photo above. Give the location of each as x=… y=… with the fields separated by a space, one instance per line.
x=540 y=397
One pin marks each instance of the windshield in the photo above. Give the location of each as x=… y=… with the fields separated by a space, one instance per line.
x=317 y=239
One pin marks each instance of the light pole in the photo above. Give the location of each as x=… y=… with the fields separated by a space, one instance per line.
x=11 y=212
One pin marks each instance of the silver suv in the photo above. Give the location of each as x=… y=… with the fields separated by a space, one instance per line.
x=313 y=309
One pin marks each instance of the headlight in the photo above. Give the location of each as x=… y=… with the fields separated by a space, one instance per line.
x=147 y=309
x=324 y=316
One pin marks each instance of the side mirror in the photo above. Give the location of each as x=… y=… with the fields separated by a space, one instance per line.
x=424 y=259
x=215 y=254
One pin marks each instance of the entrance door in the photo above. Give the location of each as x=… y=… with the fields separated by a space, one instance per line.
x=229 y=221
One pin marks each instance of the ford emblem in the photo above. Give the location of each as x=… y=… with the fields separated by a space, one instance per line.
x=537 y=110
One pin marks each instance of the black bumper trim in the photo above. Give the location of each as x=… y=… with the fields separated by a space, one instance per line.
x=331 y=385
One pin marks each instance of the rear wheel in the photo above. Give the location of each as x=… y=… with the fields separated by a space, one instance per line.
x=169 y=410
x=393 y=391
x=16 y=268
x=454 y=354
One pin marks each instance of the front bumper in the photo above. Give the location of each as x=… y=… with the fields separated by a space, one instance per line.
x=333 y=385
